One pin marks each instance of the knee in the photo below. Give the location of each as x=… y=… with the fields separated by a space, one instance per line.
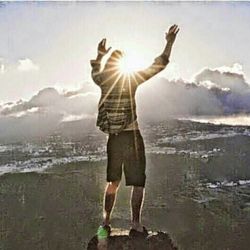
x=113 y=186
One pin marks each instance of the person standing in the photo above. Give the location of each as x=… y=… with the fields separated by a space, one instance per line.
x=117 y=117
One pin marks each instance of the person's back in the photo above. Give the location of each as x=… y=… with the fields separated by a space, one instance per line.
x=117 y=117
x=117 y=107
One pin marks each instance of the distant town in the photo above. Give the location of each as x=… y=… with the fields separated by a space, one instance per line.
x=172 y=137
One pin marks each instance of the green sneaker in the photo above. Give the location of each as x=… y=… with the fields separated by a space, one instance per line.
x=103 y=232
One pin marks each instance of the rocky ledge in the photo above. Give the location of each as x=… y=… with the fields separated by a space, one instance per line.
x=120 y=240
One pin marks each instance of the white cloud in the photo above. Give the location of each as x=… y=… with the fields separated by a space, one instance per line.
x=242 y=120
x=208 y=84
x=225 y=77
x=213 y=93
x=235 y=69
x=2 y=66
x=27 y=65
x=50 y=101
x=70 y=118
x=46 y=112
x=2 y=69
x=26 y=112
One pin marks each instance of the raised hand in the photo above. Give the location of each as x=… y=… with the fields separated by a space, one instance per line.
x=102 y=47
x=172 y=32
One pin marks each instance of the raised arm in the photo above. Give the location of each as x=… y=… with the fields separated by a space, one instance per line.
x=161 y=61
x=96 y=63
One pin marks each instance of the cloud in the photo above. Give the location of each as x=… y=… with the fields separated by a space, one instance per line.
x=86 y=88
x=219 y=91
x=27 y=65
x=49 y=100
x=46 y=112
x=235 y=69
x=213 y=92
x=2 y=66
x=234 y=120
x=175 y=99
x=225 y=77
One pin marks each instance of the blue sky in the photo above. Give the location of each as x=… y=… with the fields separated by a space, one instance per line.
x=50 y=44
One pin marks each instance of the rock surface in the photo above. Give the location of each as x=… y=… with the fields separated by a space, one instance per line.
x=120 y=240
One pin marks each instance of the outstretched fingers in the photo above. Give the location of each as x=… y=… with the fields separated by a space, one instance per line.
x=172 y=27
x=104 y=42
x=176 y=30
x=102 y=47
x=172 y=32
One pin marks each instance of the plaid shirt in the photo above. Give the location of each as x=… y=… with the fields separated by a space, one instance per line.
x=117 y=107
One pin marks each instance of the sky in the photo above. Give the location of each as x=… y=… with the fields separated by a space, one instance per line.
x=46 y=48
x=50 y=44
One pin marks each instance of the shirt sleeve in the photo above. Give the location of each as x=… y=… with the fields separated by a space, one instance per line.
x=158 y=65
x=96 y=71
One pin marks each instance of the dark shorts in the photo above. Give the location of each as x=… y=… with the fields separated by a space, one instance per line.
x=126 y=150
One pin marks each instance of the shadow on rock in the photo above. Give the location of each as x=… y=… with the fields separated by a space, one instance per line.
x=121 y=241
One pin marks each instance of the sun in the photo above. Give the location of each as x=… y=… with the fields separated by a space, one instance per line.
x=130 y=63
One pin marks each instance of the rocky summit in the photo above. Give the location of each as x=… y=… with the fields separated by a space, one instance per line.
x=120 y=239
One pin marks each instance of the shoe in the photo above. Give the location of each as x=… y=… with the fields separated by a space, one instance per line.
x=103 y=232
x=135 y=233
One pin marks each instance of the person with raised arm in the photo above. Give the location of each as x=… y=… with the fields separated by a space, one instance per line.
x=117 y=117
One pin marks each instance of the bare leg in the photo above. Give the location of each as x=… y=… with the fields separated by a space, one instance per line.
x=109 y=200
x=137 y=196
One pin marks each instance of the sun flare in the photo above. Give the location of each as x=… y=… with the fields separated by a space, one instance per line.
x=129 y=64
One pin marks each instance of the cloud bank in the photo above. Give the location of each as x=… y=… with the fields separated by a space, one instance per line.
x=49 y=111
x=216 y=92
x=220 y=91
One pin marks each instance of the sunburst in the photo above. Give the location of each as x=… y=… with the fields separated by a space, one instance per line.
x=129 y=64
